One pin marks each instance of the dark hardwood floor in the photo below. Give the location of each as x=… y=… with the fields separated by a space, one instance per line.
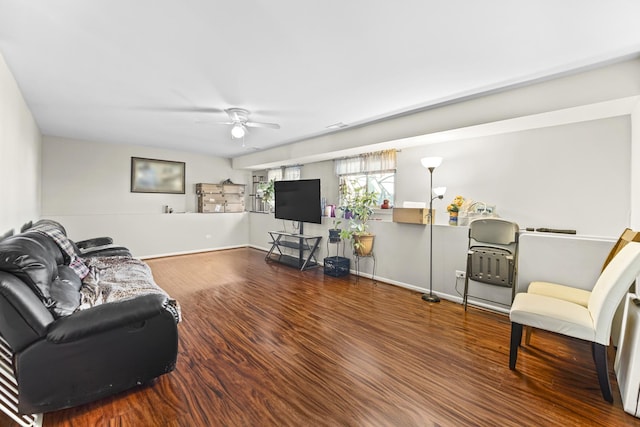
x=266 y=345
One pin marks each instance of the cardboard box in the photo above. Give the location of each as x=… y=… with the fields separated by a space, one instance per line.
x=233 y=189
x=412 y=215
x=234 y=207
x=208 y=188
x=206 y=207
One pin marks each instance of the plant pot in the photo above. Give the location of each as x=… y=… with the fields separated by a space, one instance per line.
x=453 y=218
x=334 y=235
x=364 y=245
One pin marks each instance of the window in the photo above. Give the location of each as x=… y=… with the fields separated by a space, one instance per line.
x=274 y=175
x=287 y=173
x=292 y=173
x=374 y=171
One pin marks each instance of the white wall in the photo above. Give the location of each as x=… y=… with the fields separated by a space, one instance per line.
x=575 y=176
x=99 y=183
x=86 y=186
x=635 y=168
x=20 y=143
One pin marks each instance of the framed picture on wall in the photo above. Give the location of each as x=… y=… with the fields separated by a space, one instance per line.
x=157 y=176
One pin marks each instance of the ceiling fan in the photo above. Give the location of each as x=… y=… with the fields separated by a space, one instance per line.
x=239 y=118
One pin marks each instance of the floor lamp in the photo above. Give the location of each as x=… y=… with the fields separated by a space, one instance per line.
x=434 y=193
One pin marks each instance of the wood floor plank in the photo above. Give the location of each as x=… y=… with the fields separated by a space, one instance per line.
x=263 y=344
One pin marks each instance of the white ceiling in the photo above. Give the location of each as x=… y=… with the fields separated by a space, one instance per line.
x=161 y=72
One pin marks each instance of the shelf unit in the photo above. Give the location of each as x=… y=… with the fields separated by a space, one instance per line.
x=258 y=204
x=305 y=245
x=218 y=198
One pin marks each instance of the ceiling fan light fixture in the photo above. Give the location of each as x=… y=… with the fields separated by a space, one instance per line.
x=237 y=131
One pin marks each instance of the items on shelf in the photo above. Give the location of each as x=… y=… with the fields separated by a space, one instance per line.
x=551 y=230
x=218 y=198
x=262 y=196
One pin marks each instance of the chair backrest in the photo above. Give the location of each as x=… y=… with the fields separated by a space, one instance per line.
x=612 y=285
x=628 y=235
x=493 y=232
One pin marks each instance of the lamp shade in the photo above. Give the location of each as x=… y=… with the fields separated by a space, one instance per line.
x=439 y=191
x=431 y=162
x=237 y=131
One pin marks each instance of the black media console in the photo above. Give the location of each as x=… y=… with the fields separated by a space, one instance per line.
x=306 y=247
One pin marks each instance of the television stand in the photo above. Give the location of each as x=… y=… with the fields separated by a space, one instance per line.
x=306 y=247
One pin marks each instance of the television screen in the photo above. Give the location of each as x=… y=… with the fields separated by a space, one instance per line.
x=298 y=200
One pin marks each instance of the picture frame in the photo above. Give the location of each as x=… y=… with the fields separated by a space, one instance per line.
x=157 y=176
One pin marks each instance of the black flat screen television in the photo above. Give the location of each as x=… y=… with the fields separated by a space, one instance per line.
x=298 y=200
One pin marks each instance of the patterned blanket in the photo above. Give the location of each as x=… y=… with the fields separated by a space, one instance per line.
x=74 y=261
x=117 y=278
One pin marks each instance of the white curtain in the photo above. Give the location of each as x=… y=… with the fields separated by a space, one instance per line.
x=380 y=161
x=274 y=175
x=292 y=173
x=288 y=173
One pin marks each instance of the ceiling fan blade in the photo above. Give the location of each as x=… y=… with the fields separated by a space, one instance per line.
x=212 y=122
x=237 y=114
x=262 y=125
x=181 y=109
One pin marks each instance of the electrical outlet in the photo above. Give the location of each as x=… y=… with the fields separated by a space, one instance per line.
x=460 y=274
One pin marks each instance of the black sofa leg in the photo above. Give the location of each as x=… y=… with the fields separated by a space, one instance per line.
x=600 y=357
x=516 y=338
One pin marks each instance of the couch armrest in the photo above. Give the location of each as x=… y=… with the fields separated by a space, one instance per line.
x=92 y=243
x=106 y=251
x=23 y=317
x=106 y=317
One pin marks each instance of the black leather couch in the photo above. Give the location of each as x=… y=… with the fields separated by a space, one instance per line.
x=62 y=356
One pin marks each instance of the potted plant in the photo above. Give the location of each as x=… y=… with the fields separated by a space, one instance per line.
x=334 y=232
x=268 y=195
x=454 y=208
x=361 y=205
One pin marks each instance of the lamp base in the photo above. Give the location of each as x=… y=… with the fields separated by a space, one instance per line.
x=430 y=297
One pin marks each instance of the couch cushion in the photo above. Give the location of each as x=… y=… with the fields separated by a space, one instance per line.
x=68 y=249
x=567 y=293
x=65 y=292
x=50 y=223
x=552 y=314
x=48 y=243
x=27 y=258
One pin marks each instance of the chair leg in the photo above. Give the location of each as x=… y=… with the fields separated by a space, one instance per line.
x=466 y=290
x=465 y=298
x=516 y=338
x=527 y=334
x=600 y=357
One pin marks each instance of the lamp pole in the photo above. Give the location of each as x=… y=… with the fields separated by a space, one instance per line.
x=430 y=297
x=431 y=163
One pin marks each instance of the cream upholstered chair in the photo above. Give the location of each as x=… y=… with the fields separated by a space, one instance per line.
x=590 y=323
x=576 y=295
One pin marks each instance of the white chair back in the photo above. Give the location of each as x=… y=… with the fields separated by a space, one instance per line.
x=611 y=287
